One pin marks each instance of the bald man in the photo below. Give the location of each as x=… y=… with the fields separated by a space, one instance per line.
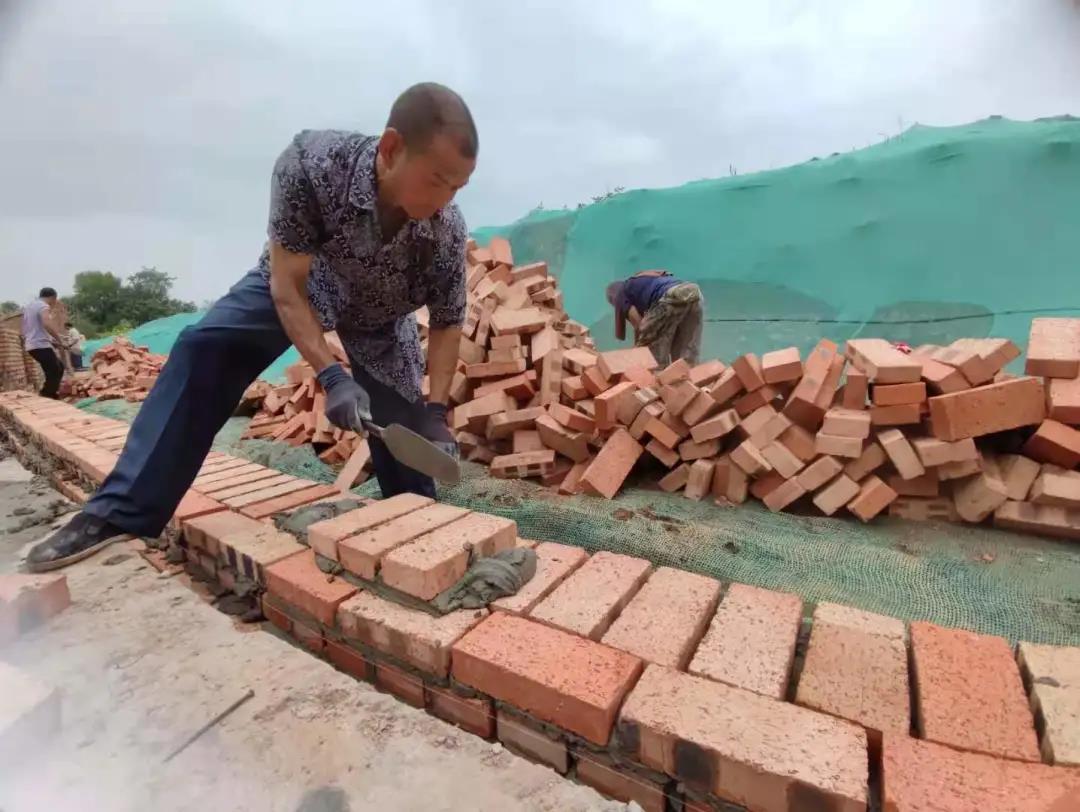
x=362 y=233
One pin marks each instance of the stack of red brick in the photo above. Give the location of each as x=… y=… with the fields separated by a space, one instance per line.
x=868 y=428
x=118 y=370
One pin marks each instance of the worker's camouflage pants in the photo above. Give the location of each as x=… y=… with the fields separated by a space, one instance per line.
x=672 y=327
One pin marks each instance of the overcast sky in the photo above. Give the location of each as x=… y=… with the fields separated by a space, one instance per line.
x=143 y=133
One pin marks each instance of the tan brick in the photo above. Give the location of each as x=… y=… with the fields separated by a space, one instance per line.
x=882 y=362
x=901 y=453
x=836 y=494
x=751 y=641
x=612 y=465
x=250 y=552
x=554 y=563
x=715 y=427
x=407 y=687
x=665 y=621
x=362 y=553
x=474 y=714
x=873 y=497
x=699 y=479
x=1056 y=487
x=871 y=458
x=435 y=561
x=521 y=738
x=833 y=445
x=978 y=497
x=1046 y=520
x=589 y=600
x=324 y=536
x=744 y=748
x=1054 y=348
x=1052 y=674
x=781 y=459
x=748 y=368
x=410 y=635
x=988 y=409
x=1055 y=443
x=988 y=714
x=675 y=479
x=1019 y=474
x=558 y=677
x=750 y=459
x=605 y=777
x=819 y=472
x=846 y=423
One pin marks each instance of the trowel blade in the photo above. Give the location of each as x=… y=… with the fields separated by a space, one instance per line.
x=410 y=449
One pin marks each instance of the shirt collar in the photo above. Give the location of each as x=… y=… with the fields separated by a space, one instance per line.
x=364 y=190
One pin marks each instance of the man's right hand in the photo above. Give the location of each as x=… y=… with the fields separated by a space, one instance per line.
x=347 y=402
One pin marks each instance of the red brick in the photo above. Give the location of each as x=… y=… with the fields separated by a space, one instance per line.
x=749 y=458
x=675 y=479
x=871 y=458
x=289 y=501
x=361 y=554
x=505 y=424
x=781 y=459
x=969 y=693
x=699 y=479
x=254 y=492
x=554 y=563
x=856 y=668
x=557 y=677
x=904 y=414
x=751 y=641
x=819 y=472
x=765 y=485
x=1046 y=520
x=571 y=418
x=612 y=464
x=310 y=637
x=412 y=636
x=707 y=372
x=901 y=453
x=192 y=505
x=988 y=409
x=531 y=743
x=1054 y=348
x=882 y=362
x=1063 y=400
x=748 y=368
x=324 y=536
x=526 y=440
x=925 y=486
x=677 y=371
x=571 y=444
x=29 y=600
x=666 y=456
x=729 y=481
x=799 y=442
x=617 y=362
x=853 y=395
x=783 y=495
x=899 y=394
x=1055 y=443
x=349 y=660
x=715 y=427
x=836 y=446
x=275 y=615
x=665 y=621
x=473 y=714
x=846 y=423
x=919 y=776
x=407 y=687
x=228 y=480
x=205 y=532
x=244 y=485
x=434 y=562
x=1052 y=674
x=621 y=785
x=608 y=403
x=755 y=400
x=781 y=366
x=589 y=600
x=298 y=582
x=571 y=484
x=726 y=387
x=745 y=748
x=527 y=464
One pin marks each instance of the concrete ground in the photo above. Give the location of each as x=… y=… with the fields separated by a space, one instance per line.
x=143 y=662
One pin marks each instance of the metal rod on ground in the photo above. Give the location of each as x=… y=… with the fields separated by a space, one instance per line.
x=191 y=739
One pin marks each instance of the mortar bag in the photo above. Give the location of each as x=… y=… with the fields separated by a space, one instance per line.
x=489 y=579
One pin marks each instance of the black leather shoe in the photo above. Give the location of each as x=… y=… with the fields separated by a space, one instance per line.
x=81 y=537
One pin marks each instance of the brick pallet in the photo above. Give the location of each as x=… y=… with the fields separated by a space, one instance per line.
x=651 y=684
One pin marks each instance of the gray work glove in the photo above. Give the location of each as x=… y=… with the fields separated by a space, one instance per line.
x=347 y=402
x=431 y=425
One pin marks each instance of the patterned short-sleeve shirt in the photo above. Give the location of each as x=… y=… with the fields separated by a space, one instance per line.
x=322 y=202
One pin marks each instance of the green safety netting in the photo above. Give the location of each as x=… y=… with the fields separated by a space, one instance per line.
x=936 y=234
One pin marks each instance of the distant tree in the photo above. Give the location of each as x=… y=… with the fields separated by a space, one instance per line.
x=6 y=308
x=145 y=297
x=103 y=304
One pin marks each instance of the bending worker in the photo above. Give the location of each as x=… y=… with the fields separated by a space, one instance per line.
x=362 y=233
x=665 y=313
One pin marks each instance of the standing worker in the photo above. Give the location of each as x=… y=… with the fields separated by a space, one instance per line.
x=40 y=336
x=75 y=344
x=362 y=233
x=665 y=313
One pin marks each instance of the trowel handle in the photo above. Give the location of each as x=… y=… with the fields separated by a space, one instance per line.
x=362 y=424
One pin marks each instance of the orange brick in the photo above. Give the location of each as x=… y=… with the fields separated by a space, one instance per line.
x=871 y=458
x=1054 y=348
x=573 y=388
x=571 y=418
x=988 y=409
x=715 y=427
x=526 y=464
x=324 y=536
x=846 y=423
x=873 y=497
x=362 y=553
x=819 y=472
x=781 y=366
x=904 y=414
x=799 y=442
x=1055 y=443
x=836 y=494
x=699 y=480
x=782 y=460
x=571 y=444
x=707 y=372
x=899 y=394
x=882 y=362
x=405 y=686
x=690 y=450
x=612 y=464
x=667 y=457
x=757 y=399
x=836 y=446
x=205 y=532
x=921 y=776
x=748 y=368
x=750 y=643
x=605 y=777
x=729 y=481
x=673 y=373
x=901 y=453
x=554 y=563
x=856 y=668
x=1063 y=400
x=525 y=440
x=558 y=677
x=855 y=389
x=764 y=485
x=473 y=714
x=299 y=582
x=571 y=483
x=677 y=397
x=988 y=714
x=192 y=506
x=434 y=562
x=724 y=740
x=702 y=406
x=588 y=601
x=495 y=369
x=726 y=387
x=784 y=495
x=414 y=637
x=618 y=362
x=608 y=403
x=503 y=425
x=289 y=501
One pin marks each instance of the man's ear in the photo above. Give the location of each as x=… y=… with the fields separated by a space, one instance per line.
x=391 y=146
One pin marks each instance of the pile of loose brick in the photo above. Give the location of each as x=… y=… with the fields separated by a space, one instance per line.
x=118 y=370
x=653 y=685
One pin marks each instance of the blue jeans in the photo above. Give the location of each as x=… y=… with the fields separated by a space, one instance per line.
x=210 y=366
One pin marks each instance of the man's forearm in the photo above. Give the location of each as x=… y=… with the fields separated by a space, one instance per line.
x=288 y=289
x=443 y=347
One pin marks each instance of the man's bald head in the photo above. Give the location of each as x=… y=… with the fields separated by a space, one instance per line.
x=429 y=109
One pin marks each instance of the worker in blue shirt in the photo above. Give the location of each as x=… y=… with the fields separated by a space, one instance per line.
x=665 y=312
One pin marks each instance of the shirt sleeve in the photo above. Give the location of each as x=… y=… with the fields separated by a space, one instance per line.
x=446 y=307
x=295 y=222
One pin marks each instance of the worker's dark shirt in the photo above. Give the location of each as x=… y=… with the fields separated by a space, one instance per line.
x=322 y=202
x=642 y=292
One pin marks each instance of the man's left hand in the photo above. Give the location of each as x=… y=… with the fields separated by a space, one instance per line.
x=432 y=426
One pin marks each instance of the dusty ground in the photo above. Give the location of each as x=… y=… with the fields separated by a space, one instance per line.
x=143 y=663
